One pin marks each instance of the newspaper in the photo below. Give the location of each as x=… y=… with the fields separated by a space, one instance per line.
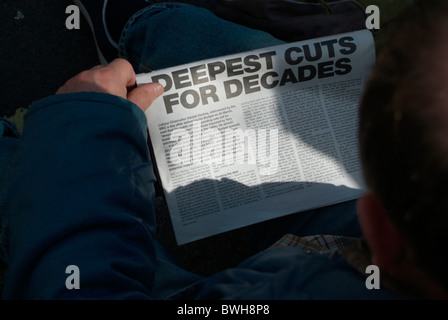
x=257 y=135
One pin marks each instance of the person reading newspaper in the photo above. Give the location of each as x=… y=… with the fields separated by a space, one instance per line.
x=80 y=222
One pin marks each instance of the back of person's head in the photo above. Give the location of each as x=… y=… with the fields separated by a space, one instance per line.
x=404 y=134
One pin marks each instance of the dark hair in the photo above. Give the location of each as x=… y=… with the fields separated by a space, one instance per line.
x=404 y=133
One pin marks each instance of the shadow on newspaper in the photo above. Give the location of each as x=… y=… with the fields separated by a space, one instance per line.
x=229 y=248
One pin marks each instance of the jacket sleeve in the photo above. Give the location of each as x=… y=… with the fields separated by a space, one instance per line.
x=82 y=195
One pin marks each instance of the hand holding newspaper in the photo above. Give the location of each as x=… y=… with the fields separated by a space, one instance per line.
x=253 y=136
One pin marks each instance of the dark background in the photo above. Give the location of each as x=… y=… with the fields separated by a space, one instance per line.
x=38 y=53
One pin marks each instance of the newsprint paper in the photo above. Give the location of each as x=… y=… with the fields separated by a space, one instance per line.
x=257 y=135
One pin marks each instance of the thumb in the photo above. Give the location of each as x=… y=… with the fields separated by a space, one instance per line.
x=144 y=95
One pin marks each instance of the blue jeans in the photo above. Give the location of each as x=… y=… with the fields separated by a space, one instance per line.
x=165 y=35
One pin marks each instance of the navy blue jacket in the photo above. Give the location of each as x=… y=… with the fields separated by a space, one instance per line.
x=83 y=193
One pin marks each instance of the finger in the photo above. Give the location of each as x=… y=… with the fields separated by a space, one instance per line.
x=125 y=71
x=97 y=67
x=144 y=95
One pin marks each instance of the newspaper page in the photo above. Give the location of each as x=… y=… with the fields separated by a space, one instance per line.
x=253 y=136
